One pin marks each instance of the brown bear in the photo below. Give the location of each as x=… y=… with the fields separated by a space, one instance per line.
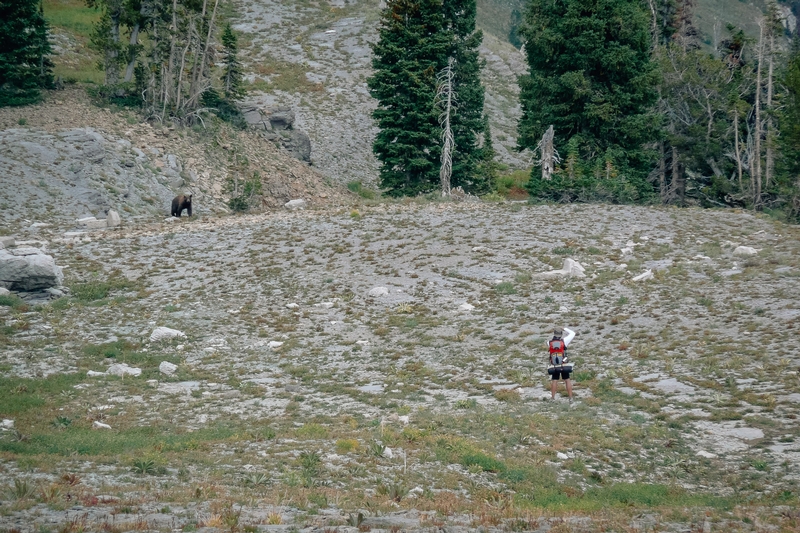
x=181 y=202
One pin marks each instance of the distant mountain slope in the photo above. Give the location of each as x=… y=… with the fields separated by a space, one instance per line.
x=315 y=56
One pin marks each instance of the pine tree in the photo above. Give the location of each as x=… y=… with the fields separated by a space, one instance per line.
x=232 y=69
x=417 y=38
x=592 y=78
x=406 y=60
x=25 y=66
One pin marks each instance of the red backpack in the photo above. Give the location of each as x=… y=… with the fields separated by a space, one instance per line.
x=558 y=352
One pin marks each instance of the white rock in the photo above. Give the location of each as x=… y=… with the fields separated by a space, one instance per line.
x=7 y=242
x=100 y=425
x=645 y=276
x=179 y=347
x=8 y=423
x=570 y=269
x=377 y=292
x=403 y=419
x=621 y=267
x=292 y=305
x=295 y=204
x=162 y=333
x=121 y=369
x=274 y=345
x=626 y=251
x=388 y=453
x=4 y=291
x=324 y=305
x=167 y=368
x=707 y=455
x=112 y=220
x=93 y=374
x=466 y=307
x=745 y=250
x=562 y=456
x=362 y=343
x=152 y=383
x=170 y=219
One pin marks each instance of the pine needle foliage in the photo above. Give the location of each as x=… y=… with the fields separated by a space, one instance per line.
x=25 y=65
x=592 y=78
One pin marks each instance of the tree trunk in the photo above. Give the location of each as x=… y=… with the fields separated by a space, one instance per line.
x=770 y=157
x=131 y=53
x=444 y=96
x=662 y=173
x=548 y=154
x=736 y=150
x=757 y=133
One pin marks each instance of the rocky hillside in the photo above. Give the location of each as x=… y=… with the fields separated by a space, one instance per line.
x=67 y=158
x=385 y=368
x=315 y=57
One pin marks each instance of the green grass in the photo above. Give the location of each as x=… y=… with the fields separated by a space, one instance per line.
x=20 y=395
x=96 y=289
x=71 y=15
x=88 y=442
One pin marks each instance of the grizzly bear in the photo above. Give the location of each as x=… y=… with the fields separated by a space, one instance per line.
x=181 y=202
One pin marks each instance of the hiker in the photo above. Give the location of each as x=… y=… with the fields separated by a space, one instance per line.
x=560 y=367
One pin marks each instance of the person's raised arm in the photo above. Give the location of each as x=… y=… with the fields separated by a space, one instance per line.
x=569 y=337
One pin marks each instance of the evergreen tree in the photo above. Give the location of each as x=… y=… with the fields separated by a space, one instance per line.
x=25 y=66
x=592 y=78
x=232 y=69
x=416 y=39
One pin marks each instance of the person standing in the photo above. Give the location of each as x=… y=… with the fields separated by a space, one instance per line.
x=560 y=367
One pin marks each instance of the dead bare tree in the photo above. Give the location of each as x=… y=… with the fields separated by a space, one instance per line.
x=549 y=156
x=446 y=101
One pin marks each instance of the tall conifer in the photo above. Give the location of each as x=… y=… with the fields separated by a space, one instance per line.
x=591 y=77
x=25 y=65
x=417 y=37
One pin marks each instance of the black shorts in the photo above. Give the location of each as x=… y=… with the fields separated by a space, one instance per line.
x=561 y=374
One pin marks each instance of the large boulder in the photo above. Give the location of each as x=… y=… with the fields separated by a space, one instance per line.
x=28 y=269
x=277 y=125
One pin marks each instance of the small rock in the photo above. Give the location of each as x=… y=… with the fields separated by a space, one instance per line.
x=162 y=333
x=4 y=291
x=570 y=269
x=362 y=343
x=645 y=276
x=94 y=374
x=377 y=292
x=112 y=220
x=100 y=425
x=707 y=455
x=170 y=219
x=466 y=307
x=7 y=242
x=745 y=251
x=404 y=419
x=8 y=423
x=152 y=383
x=292 y=305
x=295 y=204
x=324 y=305
x=562 y=456
x=274 y=345
x=388 y=453
x=121 y=369
x=54 y=293
x=167 y=368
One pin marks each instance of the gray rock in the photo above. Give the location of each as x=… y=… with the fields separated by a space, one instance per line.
x=4 y=292
x=54 y=293
x=295 y=204
x=121 y=369
x=91 y=223
x=745 y=251
x=7 y=242
x=377 y=292
x=167 y=368
x=112 y=220
x=162 y=333
x=29 y=272
x=298 y=144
